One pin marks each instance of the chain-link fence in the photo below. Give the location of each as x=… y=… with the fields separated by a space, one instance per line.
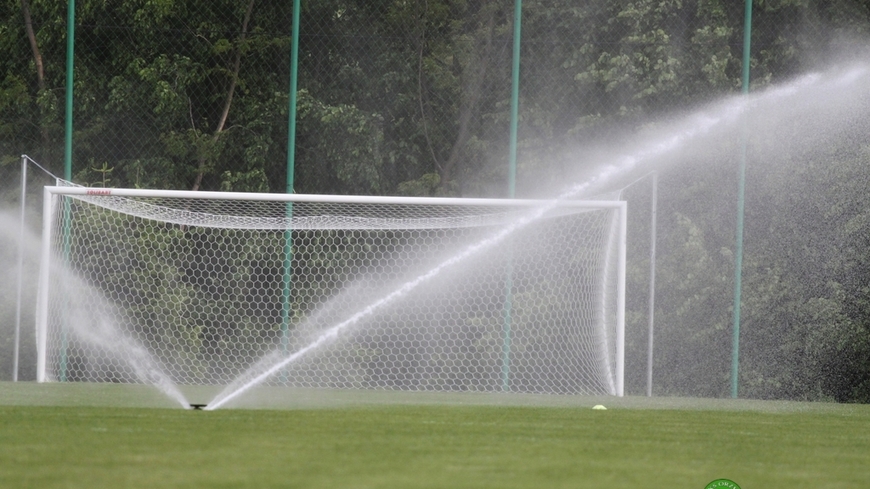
x=393 y=97
x=414 y=98
x=181 y=94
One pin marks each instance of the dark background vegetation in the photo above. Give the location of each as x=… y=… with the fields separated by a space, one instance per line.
x=413 y=98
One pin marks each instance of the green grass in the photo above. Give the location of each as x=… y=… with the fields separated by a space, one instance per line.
x=94 y=436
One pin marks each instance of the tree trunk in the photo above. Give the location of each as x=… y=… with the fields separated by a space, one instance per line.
x=237 y=63
x=37 y=60
x=421 y=92
x=473 y=91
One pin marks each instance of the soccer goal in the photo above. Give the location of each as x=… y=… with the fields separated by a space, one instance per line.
x=439 y=294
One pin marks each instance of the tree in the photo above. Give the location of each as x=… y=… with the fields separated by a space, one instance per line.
x=413 y=97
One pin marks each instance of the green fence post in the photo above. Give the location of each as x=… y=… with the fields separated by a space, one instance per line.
x=512 y=183
x=67 y=158
x=741 y=186
x=291 y=163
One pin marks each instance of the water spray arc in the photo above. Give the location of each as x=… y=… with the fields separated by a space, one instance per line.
x=692 y=128
x=332 y=333
x=672 y=139
x=95 y=322
x=653 y=151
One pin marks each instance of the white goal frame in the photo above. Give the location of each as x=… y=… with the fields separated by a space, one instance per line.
x=52 y=193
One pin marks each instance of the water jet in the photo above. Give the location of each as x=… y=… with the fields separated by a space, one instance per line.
x=680 y=141
x=673 y=141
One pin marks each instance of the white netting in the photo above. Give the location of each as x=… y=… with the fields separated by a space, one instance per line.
x=211 y=287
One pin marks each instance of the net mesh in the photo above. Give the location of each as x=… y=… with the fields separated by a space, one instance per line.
x=393 y=295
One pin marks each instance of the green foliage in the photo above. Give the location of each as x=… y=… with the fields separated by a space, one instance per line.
x=159 y=281
x=347 y=141
x=425 y=186
x=804 y=317
x=412 y=98
x=422 y=442
x=394 y=91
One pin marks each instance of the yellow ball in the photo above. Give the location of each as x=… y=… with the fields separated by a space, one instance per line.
x=599 y=407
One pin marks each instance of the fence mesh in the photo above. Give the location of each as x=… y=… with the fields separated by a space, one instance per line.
x=413 y=97
x=394 y=97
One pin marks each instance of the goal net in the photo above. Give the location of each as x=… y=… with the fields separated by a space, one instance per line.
x=332 y=291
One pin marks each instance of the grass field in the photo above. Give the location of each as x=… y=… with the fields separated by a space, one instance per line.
x=95 y=436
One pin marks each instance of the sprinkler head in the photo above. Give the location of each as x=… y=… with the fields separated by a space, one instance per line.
x=197 y=407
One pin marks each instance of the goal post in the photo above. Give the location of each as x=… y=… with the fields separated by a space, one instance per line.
x=414 y=290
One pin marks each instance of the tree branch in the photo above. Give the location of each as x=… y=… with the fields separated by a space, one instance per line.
x=474 y=89
x=420 y=92
x=31 y=36
x=237 y=63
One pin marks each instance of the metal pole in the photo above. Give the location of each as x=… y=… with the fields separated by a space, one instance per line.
x=42 y=295
x=741 y=186
x=515 y=98
x=294 y=74
x=20 y=270
x=291 y=163
x=512 y=186
x=620 y=299
x=324 y=198
x=652 y=283
x=68 y=125
x=67 y=153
